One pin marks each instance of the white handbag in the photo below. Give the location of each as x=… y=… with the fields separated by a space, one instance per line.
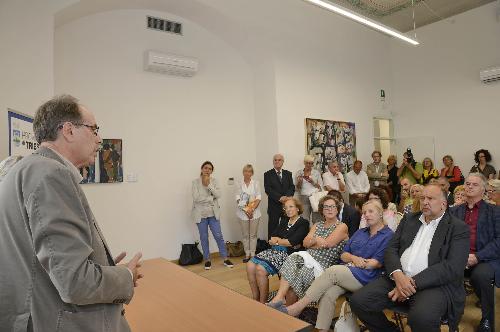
x=314 y=199
x=347 y=322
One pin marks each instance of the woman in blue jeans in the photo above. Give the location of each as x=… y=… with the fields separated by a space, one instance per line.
x=206 y=212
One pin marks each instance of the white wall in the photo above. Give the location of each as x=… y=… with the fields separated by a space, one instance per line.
x=169 y=125
x=26 y=59
x=334 y=69
x=437 y=91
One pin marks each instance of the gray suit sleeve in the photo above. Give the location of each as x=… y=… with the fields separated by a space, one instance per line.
x=62 y=239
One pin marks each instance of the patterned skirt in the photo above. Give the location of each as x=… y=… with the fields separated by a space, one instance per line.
x=298 y=276
x=271 y=259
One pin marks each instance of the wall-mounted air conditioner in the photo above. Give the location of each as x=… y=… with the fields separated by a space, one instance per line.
x=170 y=64
x=490 y=75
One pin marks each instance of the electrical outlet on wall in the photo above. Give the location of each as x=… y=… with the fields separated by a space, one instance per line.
x=132 y=177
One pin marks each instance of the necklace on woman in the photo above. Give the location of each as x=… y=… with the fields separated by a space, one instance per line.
x=290 y=224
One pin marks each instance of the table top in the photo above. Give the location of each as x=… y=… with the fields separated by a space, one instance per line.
x=171 y=298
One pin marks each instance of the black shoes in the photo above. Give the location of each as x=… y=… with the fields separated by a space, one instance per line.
x=245 y=260
x=208 y=265
x=228 y=263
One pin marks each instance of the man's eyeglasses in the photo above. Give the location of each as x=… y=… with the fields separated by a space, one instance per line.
x=94 y=128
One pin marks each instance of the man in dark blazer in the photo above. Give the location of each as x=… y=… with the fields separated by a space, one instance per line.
x=483 y=264
x=278 y=184
x=347 y=214
x=424 y=265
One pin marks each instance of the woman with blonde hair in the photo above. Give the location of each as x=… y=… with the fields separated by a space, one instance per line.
x=308 y=181
x=390 y=213
x=361 y=262
x=416 y=193
x=285 y=239
x=429 y=171
x=248 y=198
x=459 y=195
x=493 y=191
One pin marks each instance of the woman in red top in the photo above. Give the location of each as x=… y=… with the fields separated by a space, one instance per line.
x=452 y=173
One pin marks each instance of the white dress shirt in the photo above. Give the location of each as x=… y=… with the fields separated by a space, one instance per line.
x=415 y=258
x=307 y=189
x=244 y=194
x=357 y=183
x=331 y=180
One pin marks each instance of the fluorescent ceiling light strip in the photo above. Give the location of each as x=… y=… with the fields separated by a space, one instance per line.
x=347 y=13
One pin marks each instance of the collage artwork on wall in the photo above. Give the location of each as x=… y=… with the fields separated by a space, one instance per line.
x=108 y=165
x=329 y=140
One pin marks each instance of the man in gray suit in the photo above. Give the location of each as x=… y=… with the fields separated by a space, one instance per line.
x=57 y=272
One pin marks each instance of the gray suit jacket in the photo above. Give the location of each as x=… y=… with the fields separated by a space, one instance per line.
x=56 y=271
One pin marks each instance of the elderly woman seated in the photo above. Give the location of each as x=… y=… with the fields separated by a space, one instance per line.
x=413 y=203
x=391 y=217
x=362 y=262
x=459 y=195
x=285 y=239
x=324 y=245
x=493 y=191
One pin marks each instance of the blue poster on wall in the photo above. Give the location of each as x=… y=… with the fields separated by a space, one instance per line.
x=22 y=140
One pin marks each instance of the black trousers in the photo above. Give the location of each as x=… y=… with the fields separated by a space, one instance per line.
x=426 y=307
x=274 y=214
x=481 y=276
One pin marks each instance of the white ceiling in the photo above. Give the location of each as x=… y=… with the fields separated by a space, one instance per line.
x=398 y=14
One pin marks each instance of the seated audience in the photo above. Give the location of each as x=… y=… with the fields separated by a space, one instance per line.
x=451 y=172
x=405 y=194
x=333 y=178
x=362 y=262
x=412 y=204
x=393 y=180
x=482 y=158
x=377 y=171
x=324 y=244
x=348 y=215
x=459 y=195
x=483 y=264
x=494 y=191
x=206 y=212
x=416 y=193
x=357 y=183
x=430 y=285
x=390 y=215
x=429 y=172
x=308 y=181
x=285 y=239
x=410 y=169
x=445 y=185
x=248 y=197
x=7 y=164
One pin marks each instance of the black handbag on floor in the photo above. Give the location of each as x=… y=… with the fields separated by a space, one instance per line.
x=190 y=254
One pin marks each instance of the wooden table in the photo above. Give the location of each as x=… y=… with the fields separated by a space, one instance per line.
x=171 y=298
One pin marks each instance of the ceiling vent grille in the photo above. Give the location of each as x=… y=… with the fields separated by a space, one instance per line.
x=160 y=24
